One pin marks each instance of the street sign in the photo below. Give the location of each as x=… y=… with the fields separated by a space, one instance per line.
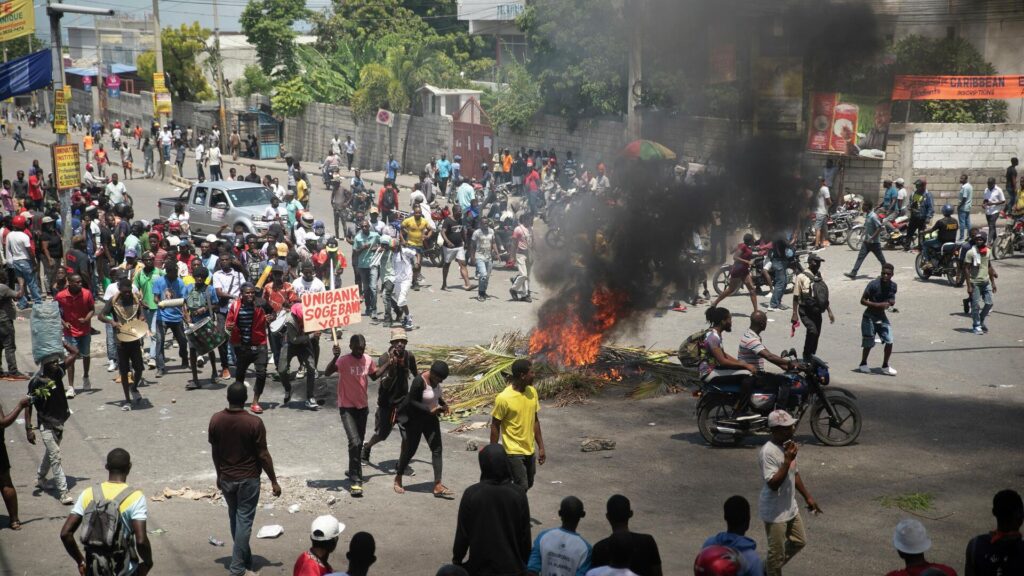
x=66 y=165
x=385 y=117
x=60 y=112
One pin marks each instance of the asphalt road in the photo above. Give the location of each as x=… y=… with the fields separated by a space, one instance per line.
x=947 y=425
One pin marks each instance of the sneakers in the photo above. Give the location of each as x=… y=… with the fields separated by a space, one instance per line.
x=301 y=373
x=66 y=499
x=773 y=309
x=201 y=361
x=15 y=375
x=312 y=405
x=161 y=372
x=86 y=383
x=889 y=371
x=978 y=331
x=364 y=454
x=515 y=297
x=70 y=392
x=126 y=406
x=112 y=365
x=193 y=385
x=850 y=275
x=863 y=369
x=151 y=363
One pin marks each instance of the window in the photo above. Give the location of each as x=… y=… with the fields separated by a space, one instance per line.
x=199 y=199
x=244 y=197
x=218 y=198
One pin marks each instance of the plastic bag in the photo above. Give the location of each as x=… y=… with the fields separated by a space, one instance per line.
x=47 y=332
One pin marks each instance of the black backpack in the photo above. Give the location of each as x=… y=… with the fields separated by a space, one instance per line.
x=817 y=299
x=109 y=544
x=389 y=200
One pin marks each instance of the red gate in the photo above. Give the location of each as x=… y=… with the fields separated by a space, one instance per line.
x=472 y=138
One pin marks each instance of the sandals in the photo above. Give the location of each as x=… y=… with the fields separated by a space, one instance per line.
x=15 y=525
x=256 y=408
x=444 y=492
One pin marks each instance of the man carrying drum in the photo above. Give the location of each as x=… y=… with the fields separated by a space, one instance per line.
x=202 y=333
x=125 y=314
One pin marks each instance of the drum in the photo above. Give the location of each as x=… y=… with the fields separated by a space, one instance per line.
x=131 y=331
x=204 y=336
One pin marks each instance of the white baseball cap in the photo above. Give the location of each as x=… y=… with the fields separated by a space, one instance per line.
x=780 y=418
x=910 y=537
x=212 y=238
x=326 y=528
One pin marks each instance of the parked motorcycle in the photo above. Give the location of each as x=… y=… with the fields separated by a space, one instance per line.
x=833 y=413
x=889 y=239
x=941 y=262
x=1012 y=239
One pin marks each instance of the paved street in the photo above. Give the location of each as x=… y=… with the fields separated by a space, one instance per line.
x=947 y=425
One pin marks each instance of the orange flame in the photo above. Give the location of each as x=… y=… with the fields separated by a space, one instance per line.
x=574 y=336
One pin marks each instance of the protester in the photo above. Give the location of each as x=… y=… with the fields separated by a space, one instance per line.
x=620 y=558
x=981 y=281
x=297 y=343
x=484 y=251
x=48 y=398
x=200 y=300
x=515 y=422
x=644 y=559
x=879 y=296
x=396 y=367
x=124 y=307
x=873 y=228
x=737 y=522
x=421 y=416
x=323 y=536
x=993 y=201
x=561 y=550
x=810 y=299
x=8 y=314
x=7 y=489
x=522 y=250
x=1000 y=552
x=240 y=454
x=353 y=371
x=911 y=542
x=779 y=511
x=170 y=291
x=246 y=324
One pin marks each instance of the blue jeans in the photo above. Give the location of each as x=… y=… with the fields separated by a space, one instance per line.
x=23 y=269
x=965 y=225
x=368 y=287
x=242 y=498
x=981 y=303
x=930 y=246
x=779 y=284
x=178 y=331
x=483 y=274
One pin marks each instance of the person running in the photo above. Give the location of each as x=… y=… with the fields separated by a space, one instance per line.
x=416 y=232
x=132 y=515
x=354 y=370
x=48 y=398
x=10 y=494
x=516 y=423
x=240 y=455
x=561 y=551
x=739 y=274
x=453 y=239
x=396 y=367
x=403 y=260
x=200 y=299
x=246 y=323
x=873 y=229
x=119 y=310
x=421 y=416
x=879 y=296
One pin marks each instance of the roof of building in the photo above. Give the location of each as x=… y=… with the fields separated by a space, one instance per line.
x=448 y=91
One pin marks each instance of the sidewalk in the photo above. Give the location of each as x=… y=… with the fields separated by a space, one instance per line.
x=42 y=136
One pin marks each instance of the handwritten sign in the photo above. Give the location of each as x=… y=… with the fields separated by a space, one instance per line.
x=331 y=309
x=66 y=165
x=60 y=112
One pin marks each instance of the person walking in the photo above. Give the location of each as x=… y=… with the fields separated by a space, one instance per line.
x=366 y=250
x=350 y=151
x=981 y=281
x=515 y=422
x=20 y=255
x=873 y=229
x=484 y=251
x=77 y=308
x=396 y=367
x=214 y=159
x=10 y=494
x=778 y=508
x=522 y=248
x=1012 y=182
x=645 y=559
x=49 y=400
x=323 y=536
x=879 y=296
x=911 y=542
x=561 y=551
x=131 y=514
x=493 y=524
x=737 y=522
x=354 y=370
x=453 y=239
x=297 y=343
x=170 y=290
x=240 y=454
x=994 y=200
x=122 y=308
x=1000 y=552
x=420 y=414
x=200 y=299
x=810 y=299
x=822 y=203
x=965 y=201
x=246 y=324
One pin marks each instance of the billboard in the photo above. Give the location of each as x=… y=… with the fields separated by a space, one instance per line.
x=848 y=124
x=17 y=18
x=66 y=165
x=957 y=87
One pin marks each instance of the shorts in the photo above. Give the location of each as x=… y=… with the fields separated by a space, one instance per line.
x=819 y=221
x=416 y=249
x=82 y=343
x=457 y=253
x=870 y=327
x=401 y=292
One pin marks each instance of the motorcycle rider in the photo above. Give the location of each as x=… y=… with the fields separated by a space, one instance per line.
x=753 y=352
x=921 y=211
x=945 y=229
x=715 y=364
x=93 y=183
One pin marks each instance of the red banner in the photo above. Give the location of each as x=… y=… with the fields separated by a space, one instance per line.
x=958 y=87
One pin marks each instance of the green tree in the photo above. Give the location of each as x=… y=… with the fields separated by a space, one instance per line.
x=269 y=26
x=514 y=103
x=181 y=48
x=24 y=45
x=253 y=81
x=917 y=55
x=291 y=97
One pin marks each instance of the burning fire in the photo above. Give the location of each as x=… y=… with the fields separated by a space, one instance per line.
x=573 y=336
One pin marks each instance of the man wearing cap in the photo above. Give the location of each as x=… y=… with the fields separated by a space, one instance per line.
x=901 y=196
x=810 y=299
x=778 y=507
x=911 y=542
x=395 y=367
x=20 y=255
x=323 y=535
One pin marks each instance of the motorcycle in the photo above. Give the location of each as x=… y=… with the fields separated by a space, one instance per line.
x=941 y=262
x=834 y=417
x=1012 y=239
x=837 y=226
x=889 y=239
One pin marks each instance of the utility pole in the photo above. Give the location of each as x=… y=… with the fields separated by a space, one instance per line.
x=99 y=103
x=158 y=48
x=635 y=13
x=220 y=77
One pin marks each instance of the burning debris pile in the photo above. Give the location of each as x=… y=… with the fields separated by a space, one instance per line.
x=567 y=369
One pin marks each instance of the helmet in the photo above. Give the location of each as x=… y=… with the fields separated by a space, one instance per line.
x=88 y=166
x=458 y=158
x=319 y=224
x=307 y=220
x=947 y=210
x=718 y=560
x=18 y=222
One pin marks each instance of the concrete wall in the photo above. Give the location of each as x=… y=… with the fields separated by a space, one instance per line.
x=138 y=108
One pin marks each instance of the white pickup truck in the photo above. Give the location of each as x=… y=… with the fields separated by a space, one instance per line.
x=213 y=204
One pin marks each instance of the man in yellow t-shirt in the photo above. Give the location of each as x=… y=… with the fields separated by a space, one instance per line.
x=132 y=510
x=416 y=231
x=515 y=421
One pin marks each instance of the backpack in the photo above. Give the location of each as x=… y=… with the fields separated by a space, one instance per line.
x=389 y=200
x=818 y=296
x=109 y=544
x=691 y=351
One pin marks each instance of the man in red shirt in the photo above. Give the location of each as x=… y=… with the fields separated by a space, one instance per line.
x=76 y=310
x=911 y=542
x=324 y=536
x=35 y=192
x=353 y=370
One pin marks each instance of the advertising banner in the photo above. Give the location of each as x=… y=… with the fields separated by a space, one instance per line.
x=113 y=82
x=161 y=97
x=60 y=112
x=331 y=309
x=848 y=124
x=17 y=18
x=66 y=166
x=958 y=87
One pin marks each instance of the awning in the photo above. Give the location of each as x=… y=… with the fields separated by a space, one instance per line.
x=114 y=69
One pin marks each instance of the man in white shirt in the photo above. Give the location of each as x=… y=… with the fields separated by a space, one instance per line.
x=403 y=259
x=227 y=281
x=822 y=202
x=777 y=503
x=200 y=157
x=115 y=137
x=20 y=255
x=115 y=191
x=901 y=197
x=214 y=160
x=993 y=203
x=350 y=151
x=335 y=145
